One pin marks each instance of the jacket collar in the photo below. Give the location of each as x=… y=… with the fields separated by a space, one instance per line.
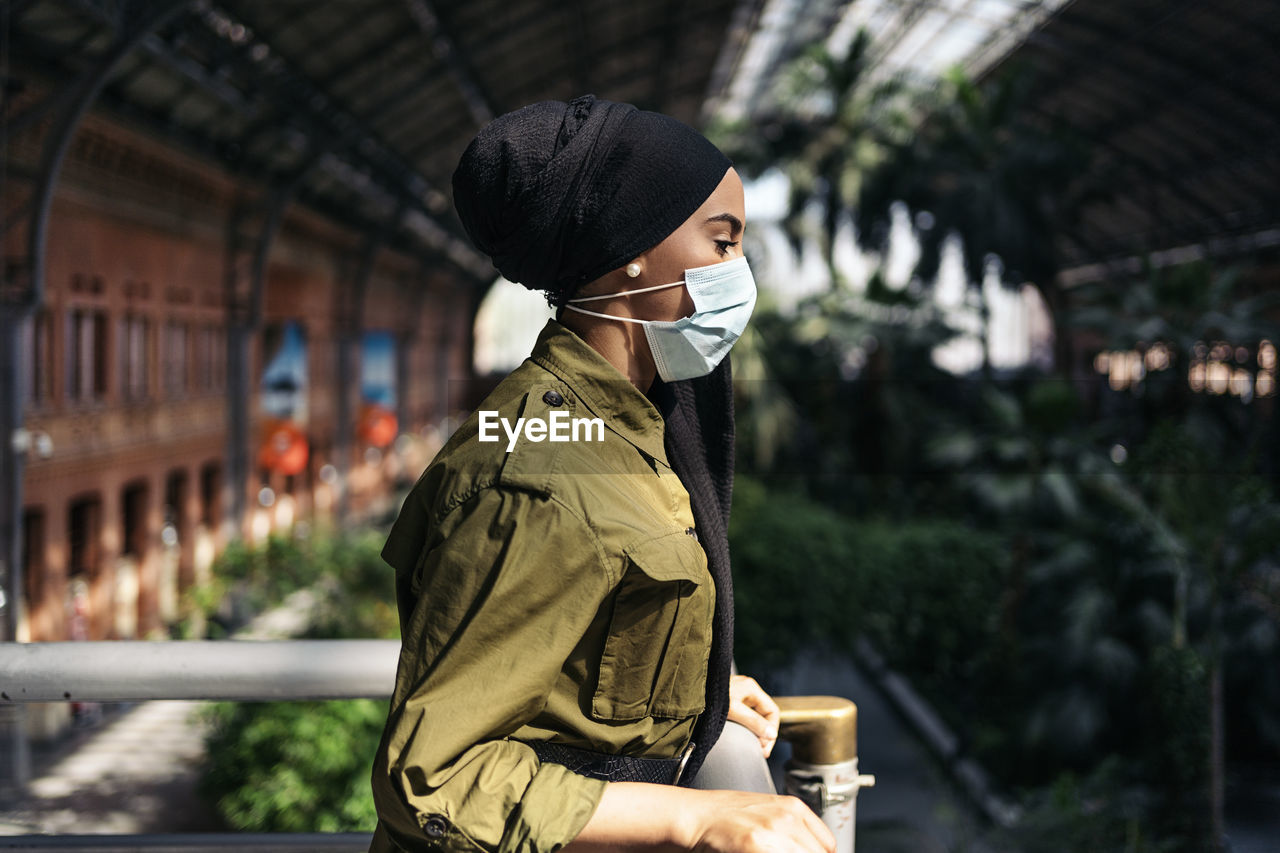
x=602 y=389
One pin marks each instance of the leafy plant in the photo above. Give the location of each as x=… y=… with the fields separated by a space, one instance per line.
x=828 y=125
x=1103 y=810
x=303 y=766
x=982 y=168
x=294 y=766
x=864 y=394
x=807 y=577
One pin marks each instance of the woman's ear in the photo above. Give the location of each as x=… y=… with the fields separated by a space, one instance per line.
x=641 y=264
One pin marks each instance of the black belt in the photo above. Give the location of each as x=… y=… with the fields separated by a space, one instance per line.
x=612 y=768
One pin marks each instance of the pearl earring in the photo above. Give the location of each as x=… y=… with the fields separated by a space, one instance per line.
x=633 y=270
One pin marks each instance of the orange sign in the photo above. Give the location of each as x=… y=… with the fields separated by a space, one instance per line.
x=284 y=448
x=377 y=425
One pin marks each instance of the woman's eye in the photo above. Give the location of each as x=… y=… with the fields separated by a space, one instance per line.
x=723 y=246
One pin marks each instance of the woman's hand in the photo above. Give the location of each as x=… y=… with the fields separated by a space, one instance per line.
x=741 y=822
x=750 y=706
x=643 y=818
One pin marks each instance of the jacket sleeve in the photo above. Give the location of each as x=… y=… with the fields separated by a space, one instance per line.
x=501 y=603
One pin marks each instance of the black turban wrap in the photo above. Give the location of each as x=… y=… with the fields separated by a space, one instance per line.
x=559 y=194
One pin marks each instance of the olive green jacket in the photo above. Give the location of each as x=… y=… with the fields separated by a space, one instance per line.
x=554 y=592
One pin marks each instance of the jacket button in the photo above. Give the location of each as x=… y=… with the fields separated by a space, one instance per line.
x=691 y=532
x=553 y=398
x=435 y=827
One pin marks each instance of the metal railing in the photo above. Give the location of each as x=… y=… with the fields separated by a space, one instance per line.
x=235 y=670
x=821 y=729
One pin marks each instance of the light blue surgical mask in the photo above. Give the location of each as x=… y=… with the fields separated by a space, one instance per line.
x=723 y=296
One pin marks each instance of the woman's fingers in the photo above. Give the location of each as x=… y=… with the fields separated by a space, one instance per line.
x=764 y=703
x=761 y=823
x=820 y=831
x=766 y=733
x=641 y=816
x=750 y=706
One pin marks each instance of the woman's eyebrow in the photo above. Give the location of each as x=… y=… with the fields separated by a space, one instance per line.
x=735 y=224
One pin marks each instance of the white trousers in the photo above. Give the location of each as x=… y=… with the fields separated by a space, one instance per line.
x=735 y=763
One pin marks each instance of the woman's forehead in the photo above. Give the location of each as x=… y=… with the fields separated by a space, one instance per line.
x=727 y=198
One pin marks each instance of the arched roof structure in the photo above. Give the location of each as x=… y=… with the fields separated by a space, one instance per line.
x=1177 y=97
x=360 y=108
x=1180 y=99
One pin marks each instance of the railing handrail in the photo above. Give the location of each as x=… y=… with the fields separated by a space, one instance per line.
x=212 y=842
x=239 y=670
x=275 y=670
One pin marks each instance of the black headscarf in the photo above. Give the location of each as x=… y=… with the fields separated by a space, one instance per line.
x=699 y=442
x=559 y=194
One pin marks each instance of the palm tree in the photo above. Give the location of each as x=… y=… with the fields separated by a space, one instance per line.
x=1205 y=453
x=1179 y=314
x=828 y=127
x=980 y=167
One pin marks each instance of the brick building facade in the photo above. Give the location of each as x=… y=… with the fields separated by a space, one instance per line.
x=125 y=503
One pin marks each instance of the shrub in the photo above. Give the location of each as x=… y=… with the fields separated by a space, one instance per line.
x=303 y=766
x=792 y=584
x=294 y=766
x=928 y=594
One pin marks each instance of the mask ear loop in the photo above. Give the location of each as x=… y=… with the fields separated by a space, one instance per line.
x=626 y=293
x=606 y=316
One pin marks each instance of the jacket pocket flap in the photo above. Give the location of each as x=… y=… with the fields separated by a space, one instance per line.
x=677 y=556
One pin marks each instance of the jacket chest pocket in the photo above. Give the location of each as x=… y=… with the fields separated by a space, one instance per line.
x=654 y=662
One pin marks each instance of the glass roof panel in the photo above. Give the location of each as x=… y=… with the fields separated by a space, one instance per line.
x=921 y=38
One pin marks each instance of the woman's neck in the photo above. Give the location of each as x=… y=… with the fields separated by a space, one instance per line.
x=623 y=345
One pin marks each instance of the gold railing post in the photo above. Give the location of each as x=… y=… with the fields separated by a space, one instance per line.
x=823 y=770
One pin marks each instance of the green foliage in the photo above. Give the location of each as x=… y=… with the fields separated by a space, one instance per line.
x=294 y=766
x=793 y=580
x=1177 y=305
x=1104 y=810
x=357 y=590
x=1057 y=678
x=303 y=766
x=353 y=587
x=1176 y=745
x=247 y=580
x=1203 y=475
x=985 y=171
x=829 y=129
x=925 y=592
x=1079 y=617
x=1225 y=563
x=856 y=373
x=269 y=572
x=1076 y=622
x=933 y=595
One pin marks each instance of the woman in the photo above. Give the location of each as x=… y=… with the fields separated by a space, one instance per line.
x=565 y=603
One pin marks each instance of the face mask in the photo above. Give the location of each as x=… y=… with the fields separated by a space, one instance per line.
x=723 y=295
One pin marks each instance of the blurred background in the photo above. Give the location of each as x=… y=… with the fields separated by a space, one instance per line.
x=1008 y=448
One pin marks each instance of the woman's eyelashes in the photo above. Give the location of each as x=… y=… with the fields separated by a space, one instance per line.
x=723 y=246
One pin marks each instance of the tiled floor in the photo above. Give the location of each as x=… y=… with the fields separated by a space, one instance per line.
x=137 y=773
